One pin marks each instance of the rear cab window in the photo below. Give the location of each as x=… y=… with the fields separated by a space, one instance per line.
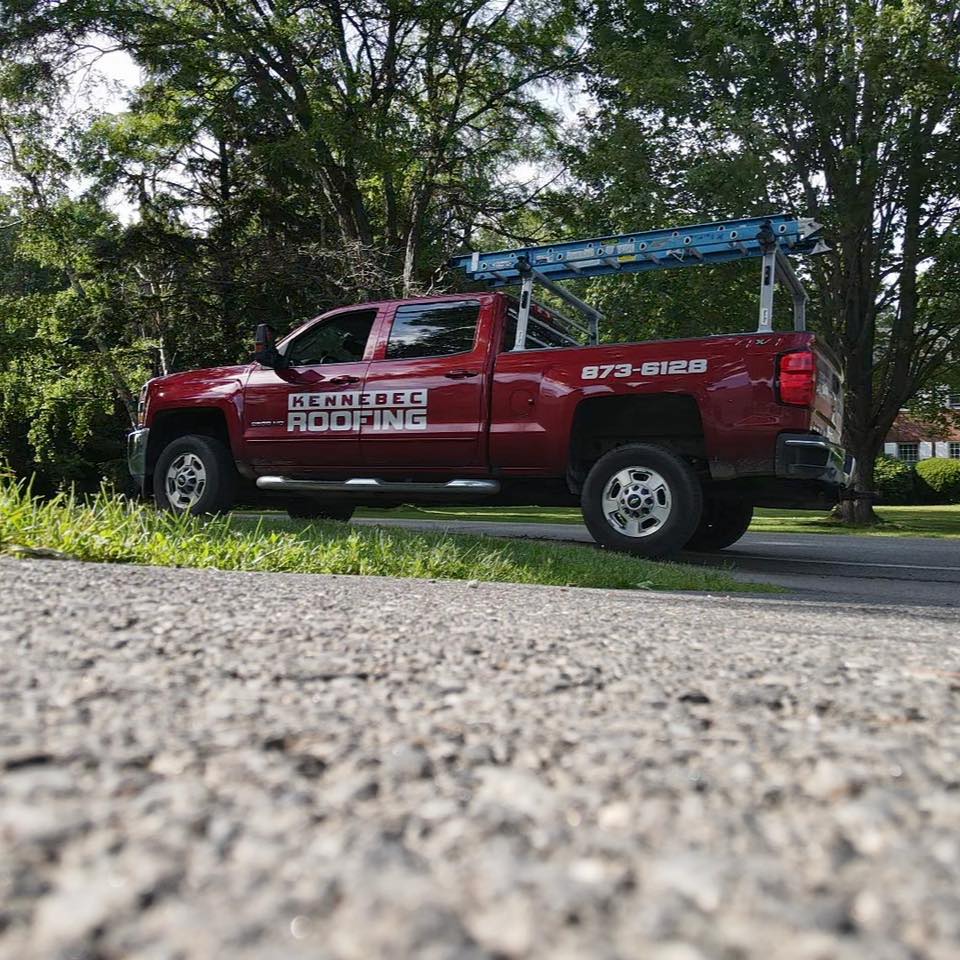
x=440 y=329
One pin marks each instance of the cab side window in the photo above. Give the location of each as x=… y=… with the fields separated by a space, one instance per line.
x=433 y=329
x=341 y=339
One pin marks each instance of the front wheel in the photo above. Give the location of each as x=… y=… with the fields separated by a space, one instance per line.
x=723 y=523
x=194 y=474
x=642 y=499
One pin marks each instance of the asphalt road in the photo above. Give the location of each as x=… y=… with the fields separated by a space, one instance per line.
x=874 y=569
x=197 y=764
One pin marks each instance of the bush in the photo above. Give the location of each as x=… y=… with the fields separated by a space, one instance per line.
x=894 y=481
x=939 y=480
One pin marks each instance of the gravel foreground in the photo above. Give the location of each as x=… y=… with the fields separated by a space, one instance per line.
x=196 y=764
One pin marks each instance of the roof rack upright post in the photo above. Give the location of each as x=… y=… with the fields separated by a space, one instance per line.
x=768 y=276
x=523 y=313
x=788 y=278
x=768 y=270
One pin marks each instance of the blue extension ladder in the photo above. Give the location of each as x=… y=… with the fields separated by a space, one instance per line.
x=770 y=237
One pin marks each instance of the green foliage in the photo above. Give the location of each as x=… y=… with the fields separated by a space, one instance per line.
x=894 y=480
x=378 y=129
x=938 y=480
x=60 y=418
x=110 y=529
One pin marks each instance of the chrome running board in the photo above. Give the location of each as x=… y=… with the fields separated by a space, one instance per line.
x=452 y=488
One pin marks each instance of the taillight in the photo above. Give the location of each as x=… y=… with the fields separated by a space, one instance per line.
x=797 y=378
x=142 y=405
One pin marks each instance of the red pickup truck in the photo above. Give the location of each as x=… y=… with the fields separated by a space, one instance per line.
x=663 y=444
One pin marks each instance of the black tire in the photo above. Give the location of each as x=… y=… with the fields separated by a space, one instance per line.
x=219 y=476
x=668 y=511
x=315 y=510
x=723 y=523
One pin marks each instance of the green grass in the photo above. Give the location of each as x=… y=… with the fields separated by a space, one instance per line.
x=110 y=529
x=923 y=521
x=493 y=514
x=927 y=521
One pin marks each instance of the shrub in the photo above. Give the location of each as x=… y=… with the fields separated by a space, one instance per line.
x=894 y=481
x=939 y=480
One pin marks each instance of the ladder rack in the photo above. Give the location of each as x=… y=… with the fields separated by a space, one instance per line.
x=771 y=238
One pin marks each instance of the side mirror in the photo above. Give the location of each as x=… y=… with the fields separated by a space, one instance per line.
x=265 y=348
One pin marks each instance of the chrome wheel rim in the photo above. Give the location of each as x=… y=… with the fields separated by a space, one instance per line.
x=185 y=481
x=637 y=502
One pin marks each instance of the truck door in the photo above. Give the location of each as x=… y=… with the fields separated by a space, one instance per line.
x=428 y=385
x=306 y=417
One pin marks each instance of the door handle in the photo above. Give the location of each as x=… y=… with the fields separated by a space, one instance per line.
x=461 y=374
x=344 y=378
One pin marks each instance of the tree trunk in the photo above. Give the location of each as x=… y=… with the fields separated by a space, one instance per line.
x=224 y=249
x=418 y=213
x=410 y=261
x=162 y=363
x=860 y=511
x=857 y=338
x=861 y=438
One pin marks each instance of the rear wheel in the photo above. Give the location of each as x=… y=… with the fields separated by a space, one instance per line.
x=723 y=523
x=315 y=510
x=642 y=499
x=195 y=474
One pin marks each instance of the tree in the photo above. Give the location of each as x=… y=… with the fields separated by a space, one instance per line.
x=845 y=110
x=392 y=112
x=60 y=420
x=55 y=229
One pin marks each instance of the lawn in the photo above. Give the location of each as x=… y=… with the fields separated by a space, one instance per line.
x=492 y=514
x=112 y=529
x=925 y=521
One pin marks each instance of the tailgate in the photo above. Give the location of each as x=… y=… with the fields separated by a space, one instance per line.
x=827 y=413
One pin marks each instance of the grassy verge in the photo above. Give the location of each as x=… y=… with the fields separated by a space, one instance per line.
x=113 y=530
x=923 y=521
x=927 y=521
x=492 y=514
